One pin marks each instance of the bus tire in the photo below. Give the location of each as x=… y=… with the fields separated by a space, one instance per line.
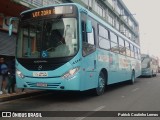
x=151 y=74
x=101 y=84
x=132 y=80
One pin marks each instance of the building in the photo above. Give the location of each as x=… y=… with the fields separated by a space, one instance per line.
x=8 y=8
x=112 y=11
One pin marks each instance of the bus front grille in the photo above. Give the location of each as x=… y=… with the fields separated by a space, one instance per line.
x=44 y=67
x=43 y=85
x=43 y=64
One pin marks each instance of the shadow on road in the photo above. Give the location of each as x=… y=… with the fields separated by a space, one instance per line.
x=59 y=97
x=75 y=96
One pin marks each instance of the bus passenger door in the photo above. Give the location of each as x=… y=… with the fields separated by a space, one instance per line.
x=89 y=55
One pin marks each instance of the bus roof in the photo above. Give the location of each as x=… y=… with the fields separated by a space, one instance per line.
x=64 y=4
x=148 y=56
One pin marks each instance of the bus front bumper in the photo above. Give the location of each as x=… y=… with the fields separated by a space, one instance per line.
x=146 y=73
x=57 y=83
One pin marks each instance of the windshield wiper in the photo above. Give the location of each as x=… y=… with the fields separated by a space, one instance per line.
x=143 y=59
x=59 y=16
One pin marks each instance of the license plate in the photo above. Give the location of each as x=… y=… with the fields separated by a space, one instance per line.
x=42 y=84
x=40 y=74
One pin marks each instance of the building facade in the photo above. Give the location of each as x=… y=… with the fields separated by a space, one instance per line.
x=113 y=12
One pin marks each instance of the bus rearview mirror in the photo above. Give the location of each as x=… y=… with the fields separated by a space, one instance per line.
x=11 y=25
x=10 y=29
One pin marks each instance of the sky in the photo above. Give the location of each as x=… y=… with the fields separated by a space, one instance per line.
x=148 y=16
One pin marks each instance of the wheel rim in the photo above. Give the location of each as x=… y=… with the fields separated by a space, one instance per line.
x=101 y=85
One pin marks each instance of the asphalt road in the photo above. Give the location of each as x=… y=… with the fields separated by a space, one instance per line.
x=144 y=95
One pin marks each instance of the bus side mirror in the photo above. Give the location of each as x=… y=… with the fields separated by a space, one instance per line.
x=11 y=25
x=88 y=26
x=10 y=29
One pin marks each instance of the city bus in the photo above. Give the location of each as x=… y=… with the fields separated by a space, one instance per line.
x=66 y=47
x=149 y=65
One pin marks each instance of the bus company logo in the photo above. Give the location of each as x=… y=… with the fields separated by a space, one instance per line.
x=6 y=114
x=40 y=67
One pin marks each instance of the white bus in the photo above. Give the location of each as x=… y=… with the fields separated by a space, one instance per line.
x=149 y=65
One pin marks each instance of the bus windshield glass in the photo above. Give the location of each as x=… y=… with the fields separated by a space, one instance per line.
x=47 y=38
x=145 y=62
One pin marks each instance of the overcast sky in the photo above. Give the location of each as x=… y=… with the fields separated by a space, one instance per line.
x=149 y=23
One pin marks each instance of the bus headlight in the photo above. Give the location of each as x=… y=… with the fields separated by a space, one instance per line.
x=19 y=74
x=70 y=73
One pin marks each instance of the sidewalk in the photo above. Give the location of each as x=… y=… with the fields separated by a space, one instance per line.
x=19 y=94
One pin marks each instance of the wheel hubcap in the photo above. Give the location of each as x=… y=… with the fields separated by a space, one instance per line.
x=101 y=84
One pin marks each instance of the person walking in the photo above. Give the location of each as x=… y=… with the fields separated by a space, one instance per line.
x=11 y=77
x=4 y=70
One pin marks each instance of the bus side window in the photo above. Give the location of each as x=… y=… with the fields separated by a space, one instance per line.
x=88 y=39
x=132 y=50
x=114 y=42
x=128 y=52
x=136 y=52
x=104 y=42
x=122 y=48
x=89 y=44
x=83 y=26
x=139 y=54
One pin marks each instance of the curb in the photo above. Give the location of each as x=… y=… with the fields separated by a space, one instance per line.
x=20 y=95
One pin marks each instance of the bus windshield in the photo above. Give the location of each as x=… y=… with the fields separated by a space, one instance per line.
x=145 y=62
x=47 y=38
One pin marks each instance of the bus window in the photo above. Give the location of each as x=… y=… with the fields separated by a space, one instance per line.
x=114 y=43
x=128 y=52
x=103 y=38
x=139 y=54
x=30 y=40
x=84 y=35
x=132 y=50
x=136 y=52
x=113 y=37
x=48 y=36
x=89 y=46
x=90 y=37
x=87 y=38
x=122 y=48
x=103 y=32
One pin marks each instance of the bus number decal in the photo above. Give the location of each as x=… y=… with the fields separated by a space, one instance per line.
x=76 y=61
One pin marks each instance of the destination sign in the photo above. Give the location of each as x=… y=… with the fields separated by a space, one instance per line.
x=43 y=13
x=48 y=11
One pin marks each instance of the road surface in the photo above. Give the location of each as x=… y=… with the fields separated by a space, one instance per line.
x=144 y=95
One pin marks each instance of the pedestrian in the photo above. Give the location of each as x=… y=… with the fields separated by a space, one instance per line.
x=11 y=78
x=4 y=70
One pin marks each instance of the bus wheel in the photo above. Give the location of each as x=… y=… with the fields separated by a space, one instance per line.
x=132 y=80
x=101 y=84
x=151 y=74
